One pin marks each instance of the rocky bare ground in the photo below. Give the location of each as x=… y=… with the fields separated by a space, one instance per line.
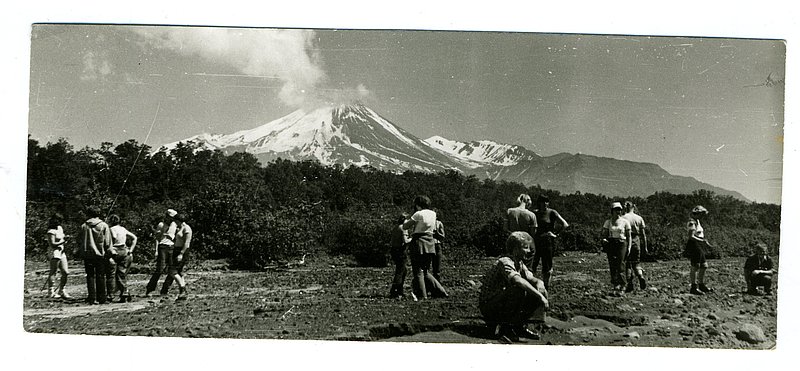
x=325 y=299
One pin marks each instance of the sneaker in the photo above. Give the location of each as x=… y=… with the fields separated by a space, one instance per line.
x=642 y=283
x=64 y=295
x=705 y=288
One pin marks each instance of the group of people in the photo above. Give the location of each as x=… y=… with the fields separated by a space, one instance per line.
x=419 y=237
x=107 y=254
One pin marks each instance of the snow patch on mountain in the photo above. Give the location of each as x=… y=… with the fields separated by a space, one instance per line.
x=479 y=153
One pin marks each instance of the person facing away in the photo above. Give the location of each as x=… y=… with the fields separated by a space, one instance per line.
x=758 y=270
x=399 y=240
x=548 y=220
x=58 y=257
x=422 y=250
x=510 y=295
x=438 y=236
x=521 y=219
x=165 y=240
x=638 y=245
x=94 y=240
x=180 y=254
x=122 y=255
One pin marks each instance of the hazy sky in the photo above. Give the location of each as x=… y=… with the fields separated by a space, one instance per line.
x=682 y=103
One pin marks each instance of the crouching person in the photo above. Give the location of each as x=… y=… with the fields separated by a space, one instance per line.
x=758 y=270
x=510 y=295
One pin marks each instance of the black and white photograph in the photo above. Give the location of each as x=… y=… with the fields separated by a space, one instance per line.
x=481 y=187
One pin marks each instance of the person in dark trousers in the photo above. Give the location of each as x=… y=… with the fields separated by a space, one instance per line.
x=510 y=295
x=183 y=241
x=758 y=270
x=165 y=237
x=122 y=253
x=422 y=250
x=94 y=240
x=547 y=220
x=399 y=241
x=617 y=244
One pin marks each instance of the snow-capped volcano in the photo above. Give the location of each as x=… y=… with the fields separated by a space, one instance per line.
x=346 y=134
x=481 y=153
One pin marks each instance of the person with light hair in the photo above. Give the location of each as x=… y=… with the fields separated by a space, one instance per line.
x=696 y=249
x=510 y=295
x=638 y=245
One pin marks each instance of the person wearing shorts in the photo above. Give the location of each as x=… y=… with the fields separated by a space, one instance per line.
x=58 y=257
x=510 y=295
x=638 y=245
x=422 y=250
x=122 y=255
x=547 y=221
x=696 y=248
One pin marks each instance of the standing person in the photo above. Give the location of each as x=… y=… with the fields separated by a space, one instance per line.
x=122 y=255
x=544 y=239
x=399 y=240
x=438 y=237
x=58 y=257
x=521 y=219
x=617 y=241
x=758 y=270
x=165 y=235
x=510 y=295
x=638 y=244
x=183 y=240
x=696 y=249
x=422 y=249
x=93 y=241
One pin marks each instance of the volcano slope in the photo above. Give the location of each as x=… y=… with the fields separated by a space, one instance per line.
x=327 y=299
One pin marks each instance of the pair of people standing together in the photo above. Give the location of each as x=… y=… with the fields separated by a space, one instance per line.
x=173 y=238
x=624 y=239
x=421 y=234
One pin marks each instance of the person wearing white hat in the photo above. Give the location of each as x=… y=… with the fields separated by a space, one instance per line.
x=617 y=244
x=165 y=237
x=696 y=248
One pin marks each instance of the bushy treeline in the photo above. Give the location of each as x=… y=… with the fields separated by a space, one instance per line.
x=257 y=215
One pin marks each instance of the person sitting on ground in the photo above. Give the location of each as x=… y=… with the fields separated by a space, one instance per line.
x=399 y=240
x=510 y=295
x=758 y=270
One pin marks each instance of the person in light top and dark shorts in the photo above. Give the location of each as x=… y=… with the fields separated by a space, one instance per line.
x=638 y=244
x=58 y=257
x=696 y=249
x=122 y=255
x=422 y=250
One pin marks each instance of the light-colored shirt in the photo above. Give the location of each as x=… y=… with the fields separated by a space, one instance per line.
x=695 y=229
x=618 y=228
x=500 y=277
x=58 y=249
x=166 y=234
x=519 y=219
x=636 y=221
x=183 y=237
x=119 y=236
x=424 y=222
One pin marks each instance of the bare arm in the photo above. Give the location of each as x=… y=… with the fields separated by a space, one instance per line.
x=133 y=240
x=523 y=283
x=560 y=220
x=644 y=240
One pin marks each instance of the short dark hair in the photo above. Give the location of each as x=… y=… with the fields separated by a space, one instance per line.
x=422 y=201
x=543 y=198
x=93 y=211
x=181 y=217
x=113 y=219
x=55 y=220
